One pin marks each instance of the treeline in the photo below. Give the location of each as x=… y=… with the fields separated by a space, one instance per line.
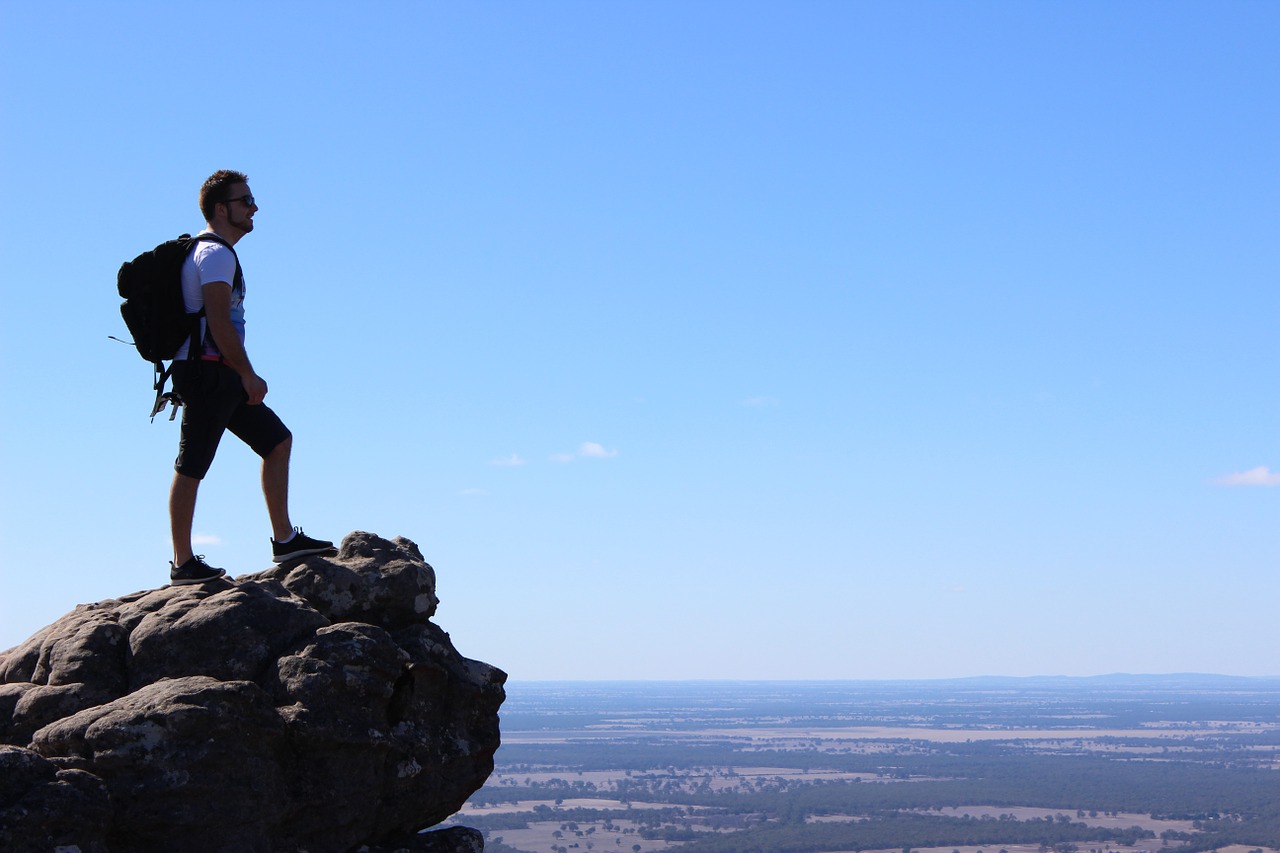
x=897 y=757
x=1164 y=789
x=1253 y=831
x=1170 y=789
x=905 y=830
x=790 y=832
x=494 y=846
x=1230 y=805
x=521 y=820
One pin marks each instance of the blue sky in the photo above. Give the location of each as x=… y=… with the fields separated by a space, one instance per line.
x=688 y=340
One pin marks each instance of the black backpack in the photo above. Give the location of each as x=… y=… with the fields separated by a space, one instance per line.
x=155 y=313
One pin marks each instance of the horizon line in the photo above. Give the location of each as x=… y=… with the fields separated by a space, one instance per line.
x=710 y=680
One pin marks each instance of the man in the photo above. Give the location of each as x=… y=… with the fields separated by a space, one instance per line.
x=219 y=387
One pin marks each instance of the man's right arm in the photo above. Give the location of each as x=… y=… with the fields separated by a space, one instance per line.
x=217 y=312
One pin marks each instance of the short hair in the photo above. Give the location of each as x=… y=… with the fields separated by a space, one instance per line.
x=215 y=187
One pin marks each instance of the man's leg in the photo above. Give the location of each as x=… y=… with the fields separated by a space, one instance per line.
x=186 y=568
x=275 y=489
x=182 y=512
x=208 y=405
x=258 y=427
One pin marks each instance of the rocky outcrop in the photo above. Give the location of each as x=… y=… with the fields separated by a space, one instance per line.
x=310 y=707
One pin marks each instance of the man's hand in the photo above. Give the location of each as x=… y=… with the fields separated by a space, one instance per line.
x=255 y=387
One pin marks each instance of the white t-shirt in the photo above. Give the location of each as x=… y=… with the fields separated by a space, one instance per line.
x=209 y=262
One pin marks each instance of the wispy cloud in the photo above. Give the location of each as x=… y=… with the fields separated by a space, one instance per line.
x=206 y=539
x=595 y=451
x=586 y=450
x=1260 y=476
x=473 y=493
x=760 y=402
x=508 y=461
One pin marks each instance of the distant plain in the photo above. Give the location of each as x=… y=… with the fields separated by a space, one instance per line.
x=1124 y=764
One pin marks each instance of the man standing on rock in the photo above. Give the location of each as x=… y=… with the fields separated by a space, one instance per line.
x=219 y=388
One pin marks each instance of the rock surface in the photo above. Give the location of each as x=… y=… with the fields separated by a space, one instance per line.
x=310 y=707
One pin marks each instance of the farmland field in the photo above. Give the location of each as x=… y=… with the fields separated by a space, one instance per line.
x=1127 y=764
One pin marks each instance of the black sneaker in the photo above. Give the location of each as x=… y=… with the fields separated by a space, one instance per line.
x=301 y=545
x=195 y=570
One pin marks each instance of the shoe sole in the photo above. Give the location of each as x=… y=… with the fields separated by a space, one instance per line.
x=222 y=573
x=305 y=552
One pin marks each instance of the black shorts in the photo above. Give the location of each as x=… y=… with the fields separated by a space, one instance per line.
x=214 y=401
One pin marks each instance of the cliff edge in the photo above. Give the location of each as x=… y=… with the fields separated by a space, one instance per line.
x=310 y=707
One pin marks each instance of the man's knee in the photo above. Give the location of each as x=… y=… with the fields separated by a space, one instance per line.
x=283 y=449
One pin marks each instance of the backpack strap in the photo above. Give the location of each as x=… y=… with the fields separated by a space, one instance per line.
x=238 y=284
x=197 y=344
x=163 y=397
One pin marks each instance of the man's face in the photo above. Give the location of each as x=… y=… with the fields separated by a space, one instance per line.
x=240 y=207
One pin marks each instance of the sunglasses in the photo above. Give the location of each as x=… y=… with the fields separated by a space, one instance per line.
x=246 y=200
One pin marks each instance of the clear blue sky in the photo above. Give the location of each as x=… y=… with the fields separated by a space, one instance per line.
x=688 y=339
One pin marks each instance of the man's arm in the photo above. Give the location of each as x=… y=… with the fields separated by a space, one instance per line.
x=217 y=312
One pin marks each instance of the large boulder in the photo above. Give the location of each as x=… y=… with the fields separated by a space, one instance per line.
x=310 y=707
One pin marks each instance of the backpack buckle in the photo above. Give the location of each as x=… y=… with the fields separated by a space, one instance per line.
x=163 y=397
x=163 y=400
